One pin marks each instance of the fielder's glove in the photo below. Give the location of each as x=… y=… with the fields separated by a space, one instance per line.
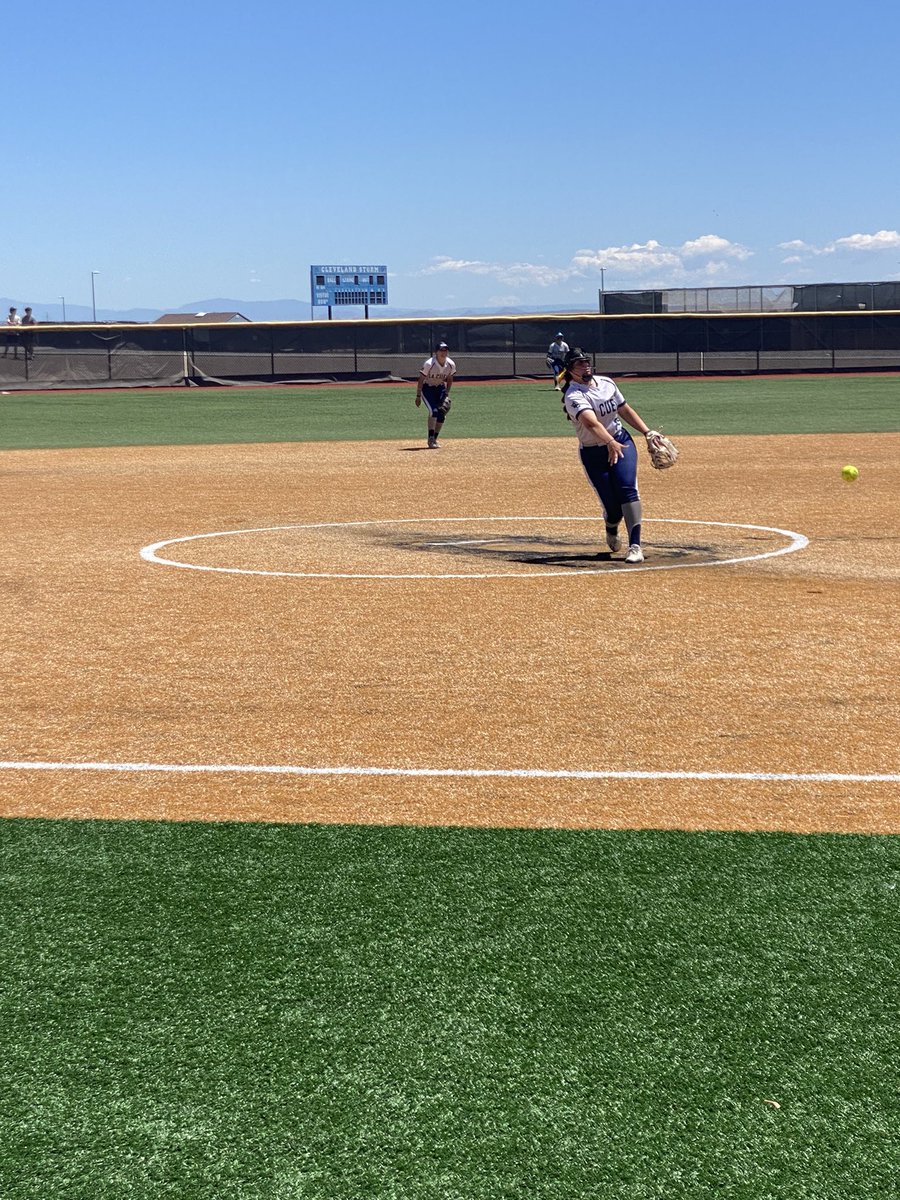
x=663 y=453
x=444 y=405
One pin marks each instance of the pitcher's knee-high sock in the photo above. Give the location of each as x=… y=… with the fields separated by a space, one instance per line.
x=632 y=514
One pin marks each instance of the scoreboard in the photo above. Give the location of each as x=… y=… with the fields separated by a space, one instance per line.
x=341 y=285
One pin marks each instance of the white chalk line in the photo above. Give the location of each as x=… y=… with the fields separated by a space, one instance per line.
x=796 y=541
x=448 y=772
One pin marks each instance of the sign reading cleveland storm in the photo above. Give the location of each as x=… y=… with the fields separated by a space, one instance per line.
x=342 y=285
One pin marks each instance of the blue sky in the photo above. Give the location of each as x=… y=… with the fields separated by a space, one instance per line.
x=489 y=153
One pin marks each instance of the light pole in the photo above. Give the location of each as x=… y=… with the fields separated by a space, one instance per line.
x=94 y=295
x=602 y=287
x=64 y=307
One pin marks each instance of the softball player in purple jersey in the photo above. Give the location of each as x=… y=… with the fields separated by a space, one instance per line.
x=596 y=407
x=435 y=382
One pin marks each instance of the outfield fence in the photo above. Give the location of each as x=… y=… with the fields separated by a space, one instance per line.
x=101 y=355
x=883 y=296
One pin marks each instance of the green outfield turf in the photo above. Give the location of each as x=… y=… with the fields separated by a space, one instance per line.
x=182 y=416
x=218 y=1012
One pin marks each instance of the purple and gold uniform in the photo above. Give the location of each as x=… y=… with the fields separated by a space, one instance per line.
x=435 y=376
x=435 y=381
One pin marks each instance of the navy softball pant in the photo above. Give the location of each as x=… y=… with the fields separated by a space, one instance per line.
x=434 y=396
x=615 y=485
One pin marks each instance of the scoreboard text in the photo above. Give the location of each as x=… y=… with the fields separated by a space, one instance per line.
x=341 y=285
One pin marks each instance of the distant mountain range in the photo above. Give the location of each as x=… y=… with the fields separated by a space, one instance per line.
x=260 y=310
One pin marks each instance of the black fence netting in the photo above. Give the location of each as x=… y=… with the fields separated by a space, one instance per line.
x=93 y=356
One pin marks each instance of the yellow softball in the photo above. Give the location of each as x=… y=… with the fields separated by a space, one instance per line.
x=849 y=474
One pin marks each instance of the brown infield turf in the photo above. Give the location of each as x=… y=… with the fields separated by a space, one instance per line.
x=552 y=660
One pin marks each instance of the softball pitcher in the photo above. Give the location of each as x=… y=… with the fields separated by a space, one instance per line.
x=435 y=382
x=608 y=454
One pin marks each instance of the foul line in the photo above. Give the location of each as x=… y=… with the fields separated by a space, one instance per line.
x=449 y=772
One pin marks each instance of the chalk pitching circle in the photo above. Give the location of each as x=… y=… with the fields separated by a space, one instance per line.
x=795 y=542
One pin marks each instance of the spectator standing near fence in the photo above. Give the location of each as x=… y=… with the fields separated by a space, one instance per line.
x=28 y=338
x=556 y=358
x=13 y=321
x=435 y=382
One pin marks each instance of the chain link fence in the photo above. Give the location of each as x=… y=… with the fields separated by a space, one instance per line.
x=781 y=297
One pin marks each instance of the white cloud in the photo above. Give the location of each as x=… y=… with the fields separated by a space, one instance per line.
x=884 y=239
x=636 y=259
x=796 y=244
x=713 y=246
x=508 y=274
x=518 y=273
x=712 y=269
x=443 y=263
x=645 y=257
x=696 y=262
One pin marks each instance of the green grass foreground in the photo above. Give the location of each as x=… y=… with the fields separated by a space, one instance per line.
x=181 y=416
x=240 y=1012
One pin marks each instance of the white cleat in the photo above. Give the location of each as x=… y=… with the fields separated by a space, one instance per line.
x=635 y=555
x=613 y=541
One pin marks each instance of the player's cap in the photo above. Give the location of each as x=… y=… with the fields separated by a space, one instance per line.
x=442 y=346
x=575 y=356
x=559 y=334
